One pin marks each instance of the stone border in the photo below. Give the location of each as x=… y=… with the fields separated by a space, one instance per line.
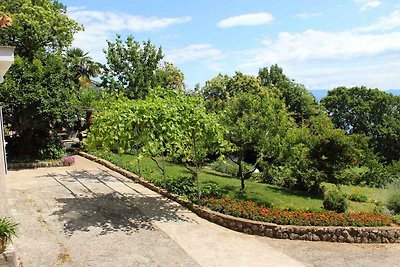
x=292 y=232
x=8 y=258
x=35 y=165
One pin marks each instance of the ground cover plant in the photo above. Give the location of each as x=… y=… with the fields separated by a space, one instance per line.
x=8 y=231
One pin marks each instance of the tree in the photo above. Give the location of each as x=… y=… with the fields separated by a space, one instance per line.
x=254 y=122
x=82 y=66
x=36 y=97
x=38 y=88
x=299 y=101
x=215 y=92
x=222 y=87
x=131 y=67
x=38 y=26
x=359 y=110
x=170 y=77
x=165 y=124
x=202 y=136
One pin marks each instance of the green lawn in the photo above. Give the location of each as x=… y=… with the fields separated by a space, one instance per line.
x=276 y=196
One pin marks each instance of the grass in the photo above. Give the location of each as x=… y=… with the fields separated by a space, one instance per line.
x=276 y=196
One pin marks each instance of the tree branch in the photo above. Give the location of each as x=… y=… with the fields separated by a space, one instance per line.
x=254 y=167
x=158 y=164
x=189 y=169
x=231 y=158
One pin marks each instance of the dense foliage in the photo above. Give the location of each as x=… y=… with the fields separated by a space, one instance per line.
x=335 y=200
x=376 y=114
x=38 y=26
x=37 y=102
x=131 y=67
x=394 y=202
x=39 y=88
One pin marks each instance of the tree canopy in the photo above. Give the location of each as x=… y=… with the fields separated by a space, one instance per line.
x=299 y=101
x=254 y=122
x=372 y=112
x=38 y=89
x=131 y=67
x=38 y=26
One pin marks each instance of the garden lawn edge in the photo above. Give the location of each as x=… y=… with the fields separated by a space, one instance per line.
x=389 y=234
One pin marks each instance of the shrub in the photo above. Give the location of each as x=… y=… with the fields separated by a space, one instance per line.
x=279 y=175
x=7 y=232
x=182 y=185
x=251 y=210
x=393 y=202
x=358 y=197
x=335 y=200
x=352 y=175
x=210 y=190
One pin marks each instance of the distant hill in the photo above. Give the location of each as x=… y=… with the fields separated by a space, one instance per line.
x=319 y=94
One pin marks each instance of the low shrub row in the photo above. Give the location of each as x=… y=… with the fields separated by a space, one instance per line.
x=251 y=210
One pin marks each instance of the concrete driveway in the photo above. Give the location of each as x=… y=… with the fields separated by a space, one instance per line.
x=88 y=215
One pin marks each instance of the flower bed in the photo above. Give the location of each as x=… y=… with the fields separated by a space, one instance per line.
x=251 y=210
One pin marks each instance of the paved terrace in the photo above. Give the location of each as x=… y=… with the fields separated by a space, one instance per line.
x=88 y=215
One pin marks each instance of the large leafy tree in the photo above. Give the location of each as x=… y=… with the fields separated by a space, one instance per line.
x=256 y=122
x=170 y=77
x=165 y=124
x=222 y=87
x=359 y=110
x=36 y=98
x=131 y=67
x=38 y=88
x=38 y=26
x=215 y=92
x=299 y=101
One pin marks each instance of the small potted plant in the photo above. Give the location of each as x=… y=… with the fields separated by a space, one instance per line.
x=6 y=52
x=8 y=230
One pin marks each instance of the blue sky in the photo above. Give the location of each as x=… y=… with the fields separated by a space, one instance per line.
x=322 y=44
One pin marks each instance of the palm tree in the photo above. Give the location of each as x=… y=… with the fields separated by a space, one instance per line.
x=83 y=66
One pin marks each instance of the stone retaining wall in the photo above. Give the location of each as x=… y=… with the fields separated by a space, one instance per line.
x=308 y=233
x=34 y=165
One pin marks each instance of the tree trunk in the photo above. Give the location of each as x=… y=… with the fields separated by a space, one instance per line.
x=197 y=167
x=240 y=172
x=164 y=174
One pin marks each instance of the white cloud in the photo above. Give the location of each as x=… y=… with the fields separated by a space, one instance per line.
x=112 y=21
x=384 y=24
x=101 y=26
x=250 y=19
x=323 y=60
x=320 y=45
x=204 y=52
x=367 y=4
x=306 y=15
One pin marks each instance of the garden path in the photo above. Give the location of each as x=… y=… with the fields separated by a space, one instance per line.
x=88 y=215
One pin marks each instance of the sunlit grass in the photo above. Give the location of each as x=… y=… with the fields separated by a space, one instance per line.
x=275 y=196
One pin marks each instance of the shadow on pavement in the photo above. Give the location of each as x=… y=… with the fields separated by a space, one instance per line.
x=109 y=212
